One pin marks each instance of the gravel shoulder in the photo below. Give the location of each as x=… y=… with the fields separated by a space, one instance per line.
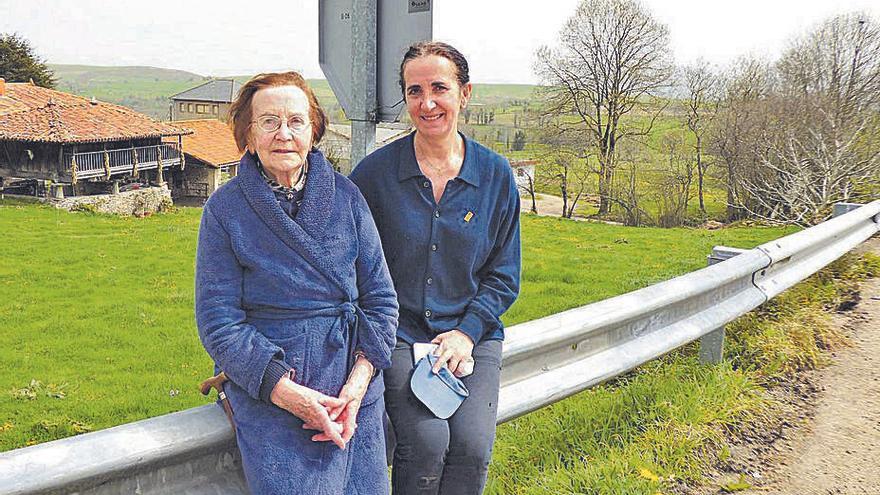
x=830 y=440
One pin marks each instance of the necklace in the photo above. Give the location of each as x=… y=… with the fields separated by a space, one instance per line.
x=437 y=169
x=424 y=159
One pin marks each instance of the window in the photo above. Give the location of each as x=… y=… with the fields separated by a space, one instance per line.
x=215 y=109
x=201 y=108
x=189 y=107
x=183 y=107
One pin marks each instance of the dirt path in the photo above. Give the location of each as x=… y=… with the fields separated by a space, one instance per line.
x=547 y=205
x=838 y=450
x=551 y=206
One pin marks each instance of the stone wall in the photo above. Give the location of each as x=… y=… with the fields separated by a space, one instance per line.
x=139 y=203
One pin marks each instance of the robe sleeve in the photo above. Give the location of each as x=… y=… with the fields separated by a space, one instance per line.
x=376 y=295
x=500 y=275
x=236 y=347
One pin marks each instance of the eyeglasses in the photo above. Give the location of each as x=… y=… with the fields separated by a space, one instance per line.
x=271 y=123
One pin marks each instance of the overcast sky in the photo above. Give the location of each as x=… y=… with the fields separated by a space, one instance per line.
x=499 y=37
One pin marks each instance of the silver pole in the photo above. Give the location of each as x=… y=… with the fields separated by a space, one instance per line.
x=363 y=77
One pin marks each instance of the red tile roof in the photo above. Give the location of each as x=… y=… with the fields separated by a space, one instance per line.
x=212 y=142
x=33 y=113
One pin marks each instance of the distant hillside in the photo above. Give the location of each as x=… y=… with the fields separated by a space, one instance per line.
x=147 y=89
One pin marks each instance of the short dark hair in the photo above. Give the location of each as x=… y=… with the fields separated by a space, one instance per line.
x=241 y=112
x=425 y=48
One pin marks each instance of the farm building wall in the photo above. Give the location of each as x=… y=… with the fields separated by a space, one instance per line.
x=186 y=110
x=30 y=160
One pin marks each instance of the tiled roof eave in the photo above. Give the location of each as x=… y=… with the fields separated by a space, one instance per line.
x=206 y=161
x=56 y=140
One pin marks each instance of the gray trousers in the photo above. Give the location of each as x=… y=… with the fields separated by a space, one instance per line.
x=443 y=456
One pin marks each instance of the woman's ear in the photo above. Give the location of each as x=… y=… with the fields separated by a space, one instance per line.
x=466 y=94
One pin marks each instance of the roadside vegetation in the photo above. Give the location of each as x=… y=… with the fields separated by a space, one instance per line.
x=99 y=332
x=97 y=316
x=660 y=428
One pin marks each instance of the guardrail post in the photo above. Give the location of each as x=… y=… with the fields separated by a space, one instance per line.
x=712 y=344
x=841 y=208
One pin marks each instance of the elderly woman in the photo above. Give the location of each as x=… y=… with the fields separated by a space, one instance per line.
x=294 y=302
x=447 y=210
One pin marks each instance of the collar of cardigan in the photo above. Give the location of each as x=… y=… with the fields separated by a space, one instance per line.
x=408 y=166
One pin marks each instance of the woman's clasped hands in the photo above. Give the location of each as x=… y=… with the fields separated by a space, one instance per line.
x=334 y=418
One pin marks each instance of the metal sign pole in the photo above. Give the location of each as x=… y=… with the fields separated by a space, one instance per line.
x=360 y=44
x=363 y=78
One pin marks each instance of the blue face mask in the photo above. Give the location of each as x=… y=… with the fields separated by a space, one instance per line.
x=441 y=393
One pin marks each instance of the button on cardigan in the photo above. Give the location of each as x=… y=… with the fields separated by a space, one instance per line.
x=456 y=263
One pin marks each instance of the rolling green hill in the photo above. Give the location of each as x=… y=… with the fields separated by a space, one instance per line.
x=147 y=89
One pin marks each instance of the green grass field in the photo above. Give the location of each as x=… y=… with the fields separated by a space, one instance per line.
x=97 y=316
x=98 y=330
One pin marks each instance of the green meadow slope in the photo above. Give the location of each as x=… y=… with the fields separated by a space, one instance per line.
x=97 y=311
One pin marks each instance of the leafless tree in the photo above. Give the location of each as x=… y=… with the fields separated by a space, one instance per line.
x=634 y=170
x=700 y=108
x=611 y=60
x=529 y=187
x=566 y=165
x=823 y=143
x=739 y=122
x=672 y=180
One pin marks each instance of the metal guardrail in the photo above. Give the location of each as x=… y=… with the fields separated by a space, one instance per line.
x=545 y=360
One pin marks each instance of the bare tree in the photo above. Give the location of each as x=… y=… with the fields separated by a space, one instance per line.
x=631 y=157
x=740 y=120
x=823 y=141
x=612 y=58
x=672 y=182
x=700 y=107
x=565 y=165
x=529 y=186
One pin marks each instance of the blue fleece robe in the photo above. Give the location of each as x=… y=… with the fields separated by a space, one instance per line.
x=307 y=292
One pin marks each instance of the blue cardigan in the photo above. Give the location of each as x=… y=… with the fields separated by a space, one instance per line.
x=455 y=264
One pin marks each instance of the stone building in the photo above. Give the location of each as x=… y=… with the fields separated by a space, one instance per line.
x=211 y=157
x=336 y=143
x=71 y=145
x=209 y=100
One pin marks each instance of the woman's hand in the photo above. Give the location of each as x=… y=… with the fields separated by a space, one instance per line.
x=311 y=406
x=454 y=350
x=352 y=395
